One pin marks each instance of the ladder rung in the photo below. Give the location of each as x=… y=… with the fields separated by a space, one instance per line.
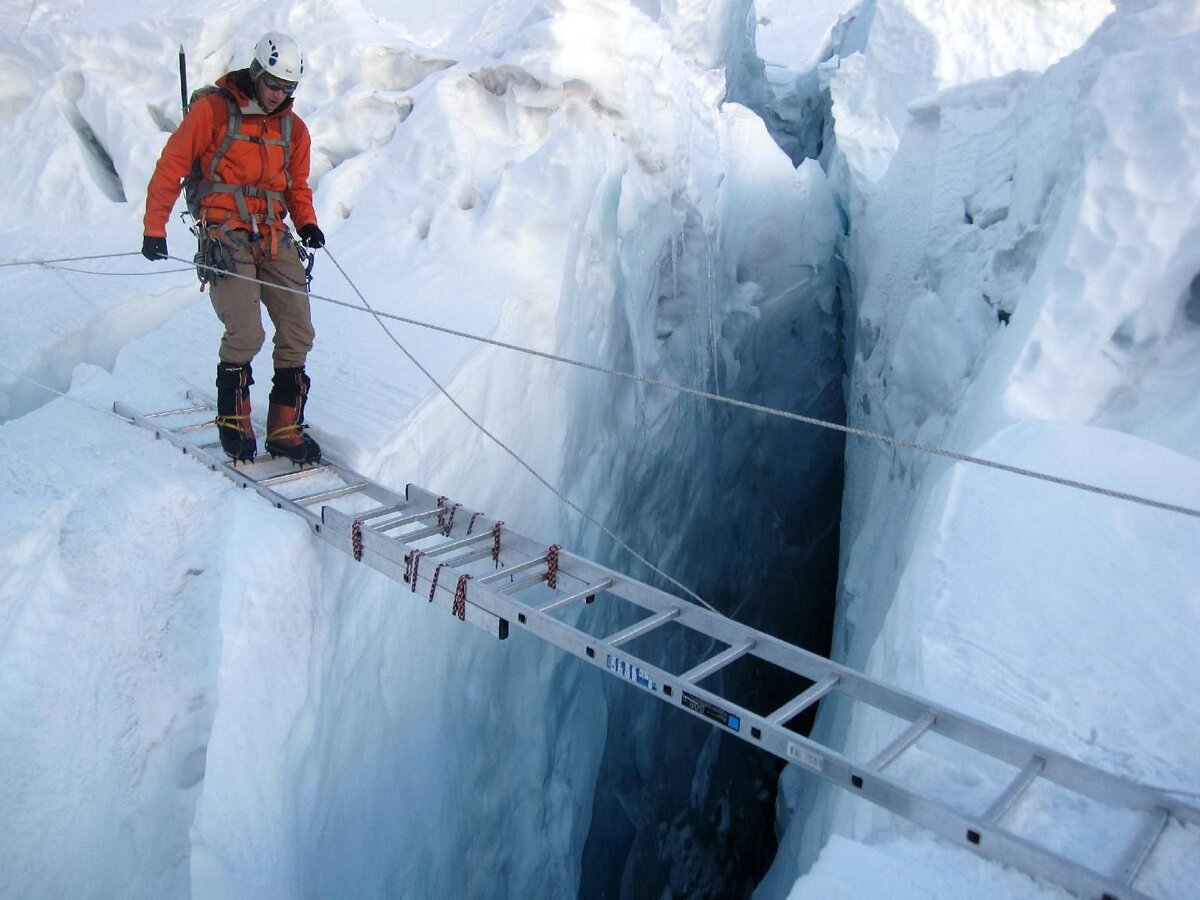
x=197 y=426
x=455 y=545
x=910 y=735
x=466 y=558
x=381 y=511
x=1143 y=843
x=1015 y=788
x=291 y=476
x=637 y=629
x=420 y=533
x=177 y=412
x=328 y=495
x=588 y=591
x=513 y=570
x=408 y=520
x=708 y=667
x=524 y=584
x=798 y=704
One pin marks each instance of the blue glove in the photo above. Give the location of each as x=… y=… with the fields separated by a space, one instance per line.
x=154 y=248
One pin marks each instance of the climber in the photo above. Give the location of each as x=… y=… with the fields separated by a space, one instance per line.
x=243 y=156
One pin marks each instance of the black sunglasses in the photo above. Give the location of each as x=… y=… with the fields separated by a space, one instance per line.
x=274 y=84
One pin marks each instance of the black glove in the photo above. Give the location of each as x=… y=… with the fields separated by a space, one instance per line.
x=311 y=236
x=154 y=247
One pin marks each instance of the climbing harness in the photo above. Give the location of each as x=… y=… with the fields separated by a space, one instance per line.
x=199 y=184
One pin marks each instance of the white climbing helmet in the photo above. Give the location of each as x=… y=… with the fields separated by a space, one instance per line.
x=279 y=56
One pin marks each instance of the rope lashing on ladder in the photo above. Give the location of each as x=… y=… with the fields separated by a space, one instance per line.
x=552 y=565
x=450 y=522
x=433 y=586
x=460 y=598
x=356 y=539
x=471 y=524
x=496 y=544
x=412 y=563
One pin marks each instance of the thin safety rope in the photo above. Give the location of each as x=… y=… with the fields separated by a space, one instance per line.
x=718 y=398
x=50 y=390
x=64 y=259
x=503 y=446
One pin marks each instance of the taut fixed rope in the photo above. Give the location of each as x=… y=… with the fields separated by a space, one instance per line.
x=694 y=392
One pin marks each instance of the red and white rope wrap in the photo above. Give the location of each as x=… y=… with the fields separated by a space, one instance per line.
x=471 y=524
x=460 y=598
x=433 y=586
x=552 y=565
x=412 y=563
x=441 y=516
x=356 y=539
x=446 y=529
x=496 y=544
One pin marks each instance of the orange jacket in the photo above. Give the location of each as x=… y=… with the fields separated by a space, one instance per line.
x=246 y=163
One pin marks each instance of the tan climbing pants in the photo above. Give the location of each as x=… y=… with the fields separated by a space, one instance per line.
x=236 y=301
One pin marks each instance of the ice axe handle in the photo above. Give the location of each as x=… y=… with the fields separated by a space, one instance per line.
x=183 y=93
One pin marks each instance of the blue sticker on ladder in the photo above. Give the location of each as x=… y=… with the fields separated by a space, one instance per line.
x=630 y=672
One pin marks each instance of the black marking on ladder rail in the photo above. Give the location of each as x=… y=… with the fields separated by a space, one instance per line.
x=709 y=711
x=806 y=757
x=631 y=673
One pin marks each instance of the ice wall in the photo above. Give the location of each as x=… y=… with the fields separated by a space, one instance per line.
x=1021 y=246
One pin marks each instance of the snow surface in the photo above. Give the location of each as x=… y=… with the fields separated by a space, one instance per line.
x=197 y=699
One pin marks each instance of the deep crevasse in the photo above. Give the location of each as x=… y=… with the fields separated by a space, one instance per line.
x=1021 y=293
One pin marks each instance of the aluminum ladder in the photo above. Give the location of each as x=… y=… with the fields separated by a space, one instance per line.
x=491 y=576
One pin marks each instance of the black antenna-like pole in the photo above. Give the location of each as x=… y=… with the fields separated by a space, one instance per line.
x=183 y=93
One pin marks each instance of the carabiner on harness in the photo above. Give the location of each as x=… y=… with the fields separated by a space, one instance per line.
x=213 y=259
x=307 y=258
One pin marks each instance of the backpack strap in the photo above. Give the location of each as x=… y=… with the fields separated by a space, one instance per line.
x=233 y=132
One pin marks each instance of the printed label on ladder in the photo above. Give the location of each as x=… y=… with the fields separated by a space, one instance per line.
x=728 y=719
x=806 y=757
x=630 y=672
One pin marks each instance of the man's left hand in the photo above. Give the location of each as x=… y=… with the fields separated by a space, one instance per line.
x=311 y=236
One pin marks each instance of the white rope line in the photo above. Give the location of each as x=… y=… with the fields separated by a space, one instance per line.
x=59 y=268
x=507 y=449
x=718 y=398
x=65 y=396
x=47 y=262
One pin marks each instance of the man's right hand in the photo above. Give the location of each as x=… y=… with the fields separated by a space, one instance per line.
x=154 y=247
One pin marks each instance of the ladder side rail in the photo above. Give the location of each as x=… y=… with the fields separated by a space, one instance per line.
x=972 y=833
x=234 y=473
x=237 y=473
x=987 y=739
x=488 y=606
x=1106 y=787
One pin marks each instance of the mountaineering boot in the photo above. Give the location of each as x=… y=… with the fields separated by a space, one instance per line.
x=285 y=418
x=233 y=411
